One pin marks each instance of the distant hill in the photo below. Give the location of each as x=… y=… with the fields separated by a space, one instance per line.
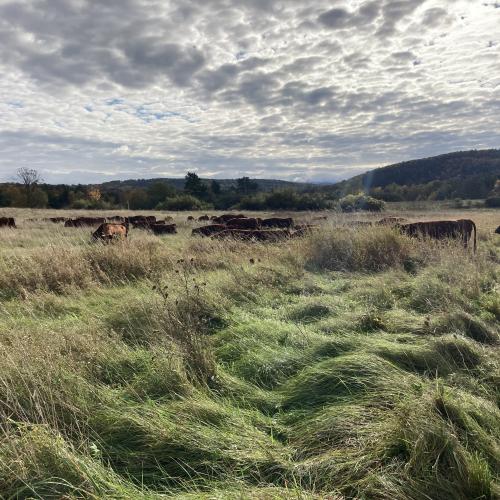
x=178 y=183
x=463 y=174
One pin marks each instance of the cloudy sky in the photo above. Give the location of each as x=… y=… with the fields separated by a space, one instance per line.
x=94 y=90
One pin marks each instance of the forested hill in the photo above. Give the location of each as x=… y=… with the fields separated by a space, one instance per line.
x=178 y=183
x=464 y=174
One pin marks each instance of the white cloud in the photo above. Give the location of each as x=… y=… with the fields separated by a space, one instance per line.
x=310 y=90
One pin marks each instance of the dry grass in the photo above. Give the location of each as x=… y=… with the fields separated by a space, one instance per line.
x=348 y=363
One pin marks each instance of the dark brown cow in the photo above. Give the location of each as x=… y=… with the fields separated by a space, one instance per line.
x=164 y=228
x=84 y=221
x=497 y=230
x=7 y=222
x=303 y=229
x=360 y=223
x=281 y=222
x=254 y=234
x=222 y=219
x=190 y=218
x=203 y=218
x=208 y=230
x=141 y=221
x=391 y=221
x=110 y=231
x=246 y=223
x=456 y=229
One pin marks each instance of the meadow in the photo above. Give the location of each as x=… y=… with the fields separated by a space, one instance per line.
x=349 y=363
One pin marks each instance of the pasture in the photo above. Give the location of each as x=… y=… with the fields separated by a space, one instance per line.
x=352 y=362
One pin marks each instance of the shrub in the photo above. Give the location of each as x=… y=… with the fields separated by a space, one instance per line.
x=355 y=202
x=182 y=202
x=492 y=202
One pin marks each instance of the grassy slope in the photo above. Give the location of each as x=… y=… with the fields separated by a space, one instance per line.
x=345 y=364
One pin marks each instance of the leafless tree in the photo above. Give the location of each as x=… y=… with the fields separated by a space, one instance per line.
x=29 y=178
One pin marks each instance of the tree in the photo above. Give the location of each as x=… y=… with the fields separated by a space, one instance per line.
x=29 y=178
x=215 y=187
x=159 y=192
x=246 y=186
x=194 y=186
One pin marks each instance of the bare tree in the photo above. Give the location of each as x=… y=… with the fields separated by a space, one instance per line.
x=29 y=178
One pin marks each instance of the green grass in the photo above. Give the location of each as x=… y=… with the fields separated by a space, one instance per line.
x=348 y=364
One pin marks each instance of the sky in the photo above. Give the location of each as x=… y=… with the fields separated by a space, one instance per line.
x=96 y=90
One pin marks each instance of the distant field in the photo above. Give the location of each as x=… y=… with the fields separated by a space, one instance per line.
x=349 y=363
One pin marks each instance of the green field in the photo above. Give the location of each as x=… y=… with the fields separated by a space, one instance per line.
x=350 y=363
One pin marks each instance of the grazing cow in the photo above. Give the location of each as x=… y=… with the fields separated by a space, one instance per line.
x=246 y=223
x=7 y=222
x=208 y=230
x=109 y=231
x=163 y=228
x=497 y=230
x=360 y=223
x=222 y=219
x=203 y=218
x=391 y=221
x=190 y=218
x=459 y=229
x=84 y=221
x=141 y=221
x=254 y=234
x=303 y=229
x=281 y=222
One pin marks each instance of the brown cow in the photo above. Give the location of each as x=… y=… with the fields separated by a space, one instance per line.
x=84 y=221
x=208 y=230
x=190 y=218
x=222 y=219
x=244 y=223
x=254 y=234
x=391 y=221
x=497 y=230
x=7 y=222
x=203 y=218
x=281 y=222
x=303 y=229
x=459 y=229
x=109 y=231
x=163 y=228
x=360 y=223
x=142 y=221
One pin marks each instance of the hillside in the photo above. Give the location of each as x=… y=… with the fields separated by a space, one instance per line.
x=178 y=183
x=463 y=174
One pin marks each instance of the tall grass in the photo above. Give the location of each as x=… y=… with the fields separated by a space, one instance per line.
x=345 y=364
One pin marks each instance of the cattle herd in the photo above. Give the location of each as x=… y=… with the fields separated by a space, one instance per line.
x=240 y=226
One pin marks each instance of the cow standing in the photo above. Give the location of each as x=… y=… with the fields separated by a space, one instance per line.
x=7 y=222
x=459 y=229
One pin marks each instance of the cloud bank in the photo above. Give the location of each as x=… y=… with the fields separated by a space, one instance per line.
x=299 y=90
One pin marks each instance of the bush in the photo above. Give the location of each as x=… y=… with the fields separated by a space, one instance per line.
x=492 y=202
x=182 y=202
x=355 y=202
